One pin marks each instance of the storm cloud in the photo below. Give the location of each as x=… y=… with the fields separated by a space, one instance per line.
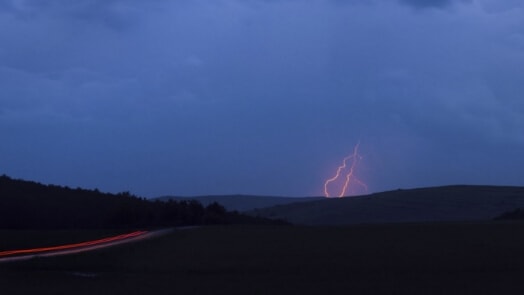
x=430 y=3
x=260 y=97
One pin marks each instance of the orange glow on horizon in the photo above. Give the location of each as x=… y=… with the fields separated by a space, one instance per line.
x=73 y=246
x=350 y=174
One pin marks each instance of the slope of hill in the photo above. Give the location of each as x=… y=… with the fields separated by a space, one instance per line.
x=448 y=203
x=31 y=205
x=243 y=202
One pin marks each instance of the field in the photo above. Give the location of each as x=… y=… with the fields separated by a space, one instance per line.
x=446 y=258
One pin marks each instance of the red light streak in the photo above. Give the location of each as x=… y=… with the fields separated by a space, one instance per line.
x=73 y=246
x=349 y=170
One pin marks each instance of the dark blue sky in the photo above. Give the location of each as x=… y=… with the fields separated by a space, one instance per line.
x=261 y=97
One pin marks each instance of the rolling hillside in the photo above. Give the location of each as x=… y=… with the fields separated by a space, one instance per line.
x=31 y=205
x=448 y=203
x=243 y=202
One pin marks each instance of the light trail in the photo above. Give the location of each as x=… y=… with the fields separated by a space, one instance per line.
x=74 y=246
x=350 y=177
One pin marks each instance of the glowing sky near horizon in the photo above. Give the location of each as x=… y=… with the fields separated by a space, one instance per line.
x=261 y=97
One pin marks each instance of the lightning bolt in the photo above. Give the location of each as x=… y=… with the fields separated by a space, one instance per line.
x=354 y=158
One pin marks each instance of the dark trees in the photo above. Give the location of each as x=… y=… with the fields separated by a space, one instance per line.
x=30 y=205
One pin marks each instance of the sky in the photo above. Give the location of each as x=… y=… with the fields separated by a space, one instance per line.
x=265 y=97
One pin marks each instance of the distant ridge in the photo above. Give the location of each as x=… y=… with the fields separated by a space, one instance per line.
x=32 y=205
x=243 y=202
x=433 y=204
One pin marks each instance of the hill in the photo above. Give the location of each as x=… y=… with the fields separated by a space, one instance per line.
x=448 y=203
x=31 y=205
x=242 y=202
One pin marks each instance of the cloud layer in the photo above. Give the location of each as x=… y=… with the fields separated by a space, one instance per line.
x=261 y=97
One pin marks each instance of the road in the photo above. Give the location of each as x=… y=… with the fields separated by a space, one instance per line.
x=25 y=254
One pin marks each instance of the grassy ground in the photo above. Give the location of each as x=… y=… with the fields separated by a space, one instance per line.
x=485 y=258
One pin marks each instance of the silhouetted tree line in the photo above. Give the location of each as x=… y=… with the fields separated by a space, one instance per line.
x=31 y=205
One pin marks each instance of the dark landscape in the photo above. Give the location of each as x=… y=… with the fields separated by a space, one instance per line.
x=243 y=203
x=247 y=255
x=435 y=204
x=58 y=207
x=454 y=258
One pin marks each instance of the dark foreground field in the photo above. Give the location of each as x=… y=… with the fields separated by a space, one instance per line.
x=479 y=258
